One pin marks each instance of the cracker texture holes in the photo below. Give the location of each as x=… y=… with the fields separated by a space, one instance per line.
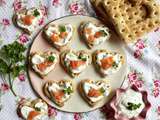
x=139 y=17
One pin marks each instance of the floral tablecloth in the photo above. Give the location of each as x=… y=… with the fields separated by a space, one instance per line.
x=143 y=58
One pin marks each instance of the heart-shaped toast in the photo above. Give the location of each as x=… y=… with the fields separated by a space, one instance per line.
x=28 y=19
x=58 y=35
x=33 y=110
x=59 y=92
x=94 y=91
x=43 y=62
x=75 y=62
x=107 y=63
x=93 y=34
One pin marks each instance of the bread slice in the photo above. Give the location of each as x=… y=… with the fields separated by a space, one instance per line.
x=116 y=63
x=101 y=13
x=96 y=85
x=58 y=29
x=66 y=64
x=49 y=95
x=84 y=96
x=27 y=107
x=98 y=32
x=65 y=86
x=131 y=18
x=43 y=58
x=34 y=13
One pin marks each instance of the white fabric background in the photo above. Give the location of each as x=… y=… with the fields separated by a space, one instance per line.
x=148 y=65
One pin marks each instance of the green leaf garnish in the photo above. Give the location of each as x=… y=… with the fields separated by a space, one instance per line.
x=62 y=28
x=115 y=65
x=103 y=33
x=51 y=58
x=37 y=109
x=82 y=58
x=36 y=13
x=102 y=90
x=3 y=67
x=132 y=106
x=68 y=90
x=11 y=57
x=13 y=52
x=16 y=70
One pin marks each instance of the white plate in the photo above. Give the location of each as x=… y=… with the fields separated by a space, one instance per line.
x=76 y=103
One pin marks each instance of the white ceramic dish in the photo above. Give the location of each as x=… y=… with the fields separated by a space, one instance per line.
x=76 y=103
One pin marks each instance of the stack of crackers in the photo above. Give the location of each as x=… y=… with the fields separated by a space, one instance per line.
x=131 y=18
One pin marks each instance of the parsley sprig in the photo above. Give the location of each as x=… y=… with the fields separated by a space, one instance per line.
x=68 y=90
x=103 y=33
x=62 y=28
x=82 y=58
x=36 y=13
x=102 y=90
x=51 y=58
x=132 y=106
x=11 y=56
x=115 y=65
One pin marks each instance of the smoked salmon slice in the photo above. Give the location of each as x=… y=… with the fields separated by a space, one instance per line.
x=76 y=64
x=32 y=115
x=94 y=93
x=107 y=62
x=54 y=37
x=42 y=66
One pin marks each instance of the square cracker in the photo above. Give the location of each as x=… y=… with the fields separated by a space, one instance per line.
x=131 y=18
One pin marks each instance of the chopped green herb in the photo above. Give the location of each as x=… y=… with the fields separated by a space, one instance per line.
x=103 y=33
x=82 y=58
x=65 y=63
x=102 y=90
x=115 y=65
x=132 y=106
x=68 y=90
x=51 y=58
x=37 y=109
x=62 y=28
x=36 y=13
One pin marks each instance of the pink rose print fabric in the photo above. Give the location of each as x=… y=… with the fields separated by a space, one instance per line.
x=21 y=77
x=56 y=3
x=2 y=2
x=23 y=38
x=156 y=90
x=143 y=59
x=158 y=110
x=77 y=116
x=18 y=5
x=4 y=87
x=52 y=112
x=135 y=78
x=4 y=23
x=77 y=8
x=139 y=48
